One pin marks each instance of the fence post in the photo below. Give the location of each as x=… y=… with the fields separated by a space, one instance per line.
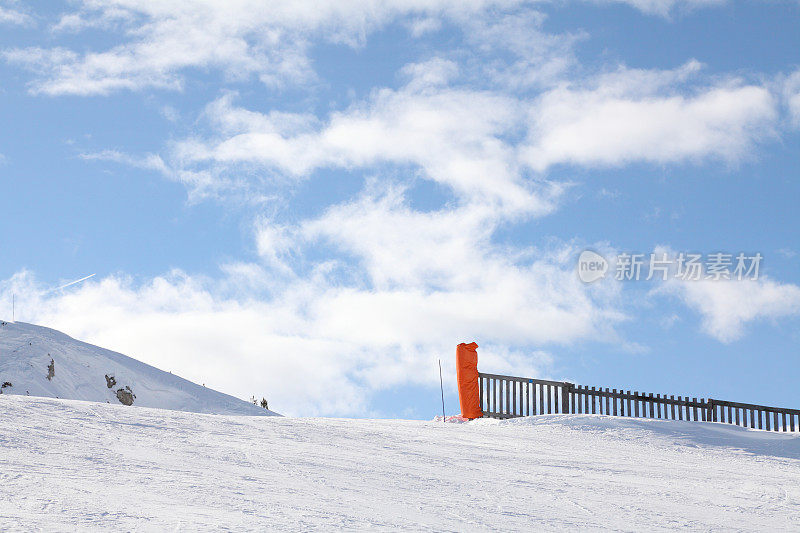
x=566 y=389
x=712 y=411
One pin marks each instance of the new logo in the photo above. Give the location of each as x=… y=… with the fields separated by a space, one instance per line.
x=591 y=266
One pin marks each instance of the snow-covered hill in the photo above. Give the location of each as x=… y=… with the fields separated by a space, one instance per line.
x=39 y=361
x=69 y=465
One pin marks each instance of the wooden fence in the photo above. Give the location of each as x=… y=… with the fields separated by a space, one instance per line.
x=510 y=397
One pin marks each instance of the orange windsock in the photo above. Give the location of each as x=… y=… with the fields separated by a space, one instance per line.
x=467 y=376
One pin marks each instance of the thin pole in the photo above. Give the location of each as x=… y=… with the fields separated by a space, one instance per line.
x=441 y=386
x=13 y=307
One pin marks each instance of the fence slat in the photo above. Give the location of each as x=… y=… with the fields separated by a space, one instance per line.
x=542 y=391
x=527 y=398
x=597 y=399
x=497 y=399
x=499 y=392
x=513 y=397
x=502 y=385
x=514 y=407
x=500 y=397
x=499 y=385
x=496 y=395
x=601 y=402
x=507 y=396
x=629 y=404
x=504 y=395
x=492 y=399
x=480 y=393
x=485 y=396
x=549 y=400
x=495 y=404
x=555 y=400
x=586 y=400
x=589 y=400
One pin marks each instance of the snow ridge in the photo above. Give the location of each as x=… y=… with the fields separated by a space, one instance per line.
x=39 y=361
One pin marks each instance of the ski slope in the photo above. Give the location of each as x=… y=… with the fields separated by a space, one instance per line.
x=68 y=465
x=39 y=361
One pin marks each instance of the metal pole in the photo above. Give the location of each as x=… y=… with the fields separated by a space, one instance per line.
x=441 y=386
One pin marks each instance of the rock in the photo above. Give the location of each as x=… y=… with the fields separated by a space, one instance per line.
x=110 y=381
x=51 y=370
x=125 y=396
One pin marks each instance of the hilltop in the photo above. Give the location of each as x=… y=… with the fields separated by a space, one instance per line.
x=39 y=361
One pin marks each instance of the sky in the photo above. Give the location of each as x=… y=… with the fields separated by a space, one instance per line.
x=315 y=202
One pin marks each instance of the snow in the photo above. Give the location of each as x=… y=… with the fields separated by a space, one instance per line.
x=80 y=370
x=68 y=465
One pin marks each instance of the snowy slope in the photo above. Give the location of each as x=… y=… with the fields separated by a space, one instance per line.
x=76 y=465
x=82 y=371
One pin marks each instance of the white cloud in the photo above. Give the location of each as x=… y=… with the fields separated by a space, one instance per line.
x=455 y=136
x=202 y=184
x=158 y=42
x=791 y=93
x=512 y=51
x=727 y=307
x=9 y=15
x=634 y=115
x=488 y=146
x=241 y=38
x=664 y=7
x=420 y=26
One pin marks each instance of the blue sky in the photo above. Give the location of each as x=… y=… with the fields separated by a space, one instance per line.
x=314 y=202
